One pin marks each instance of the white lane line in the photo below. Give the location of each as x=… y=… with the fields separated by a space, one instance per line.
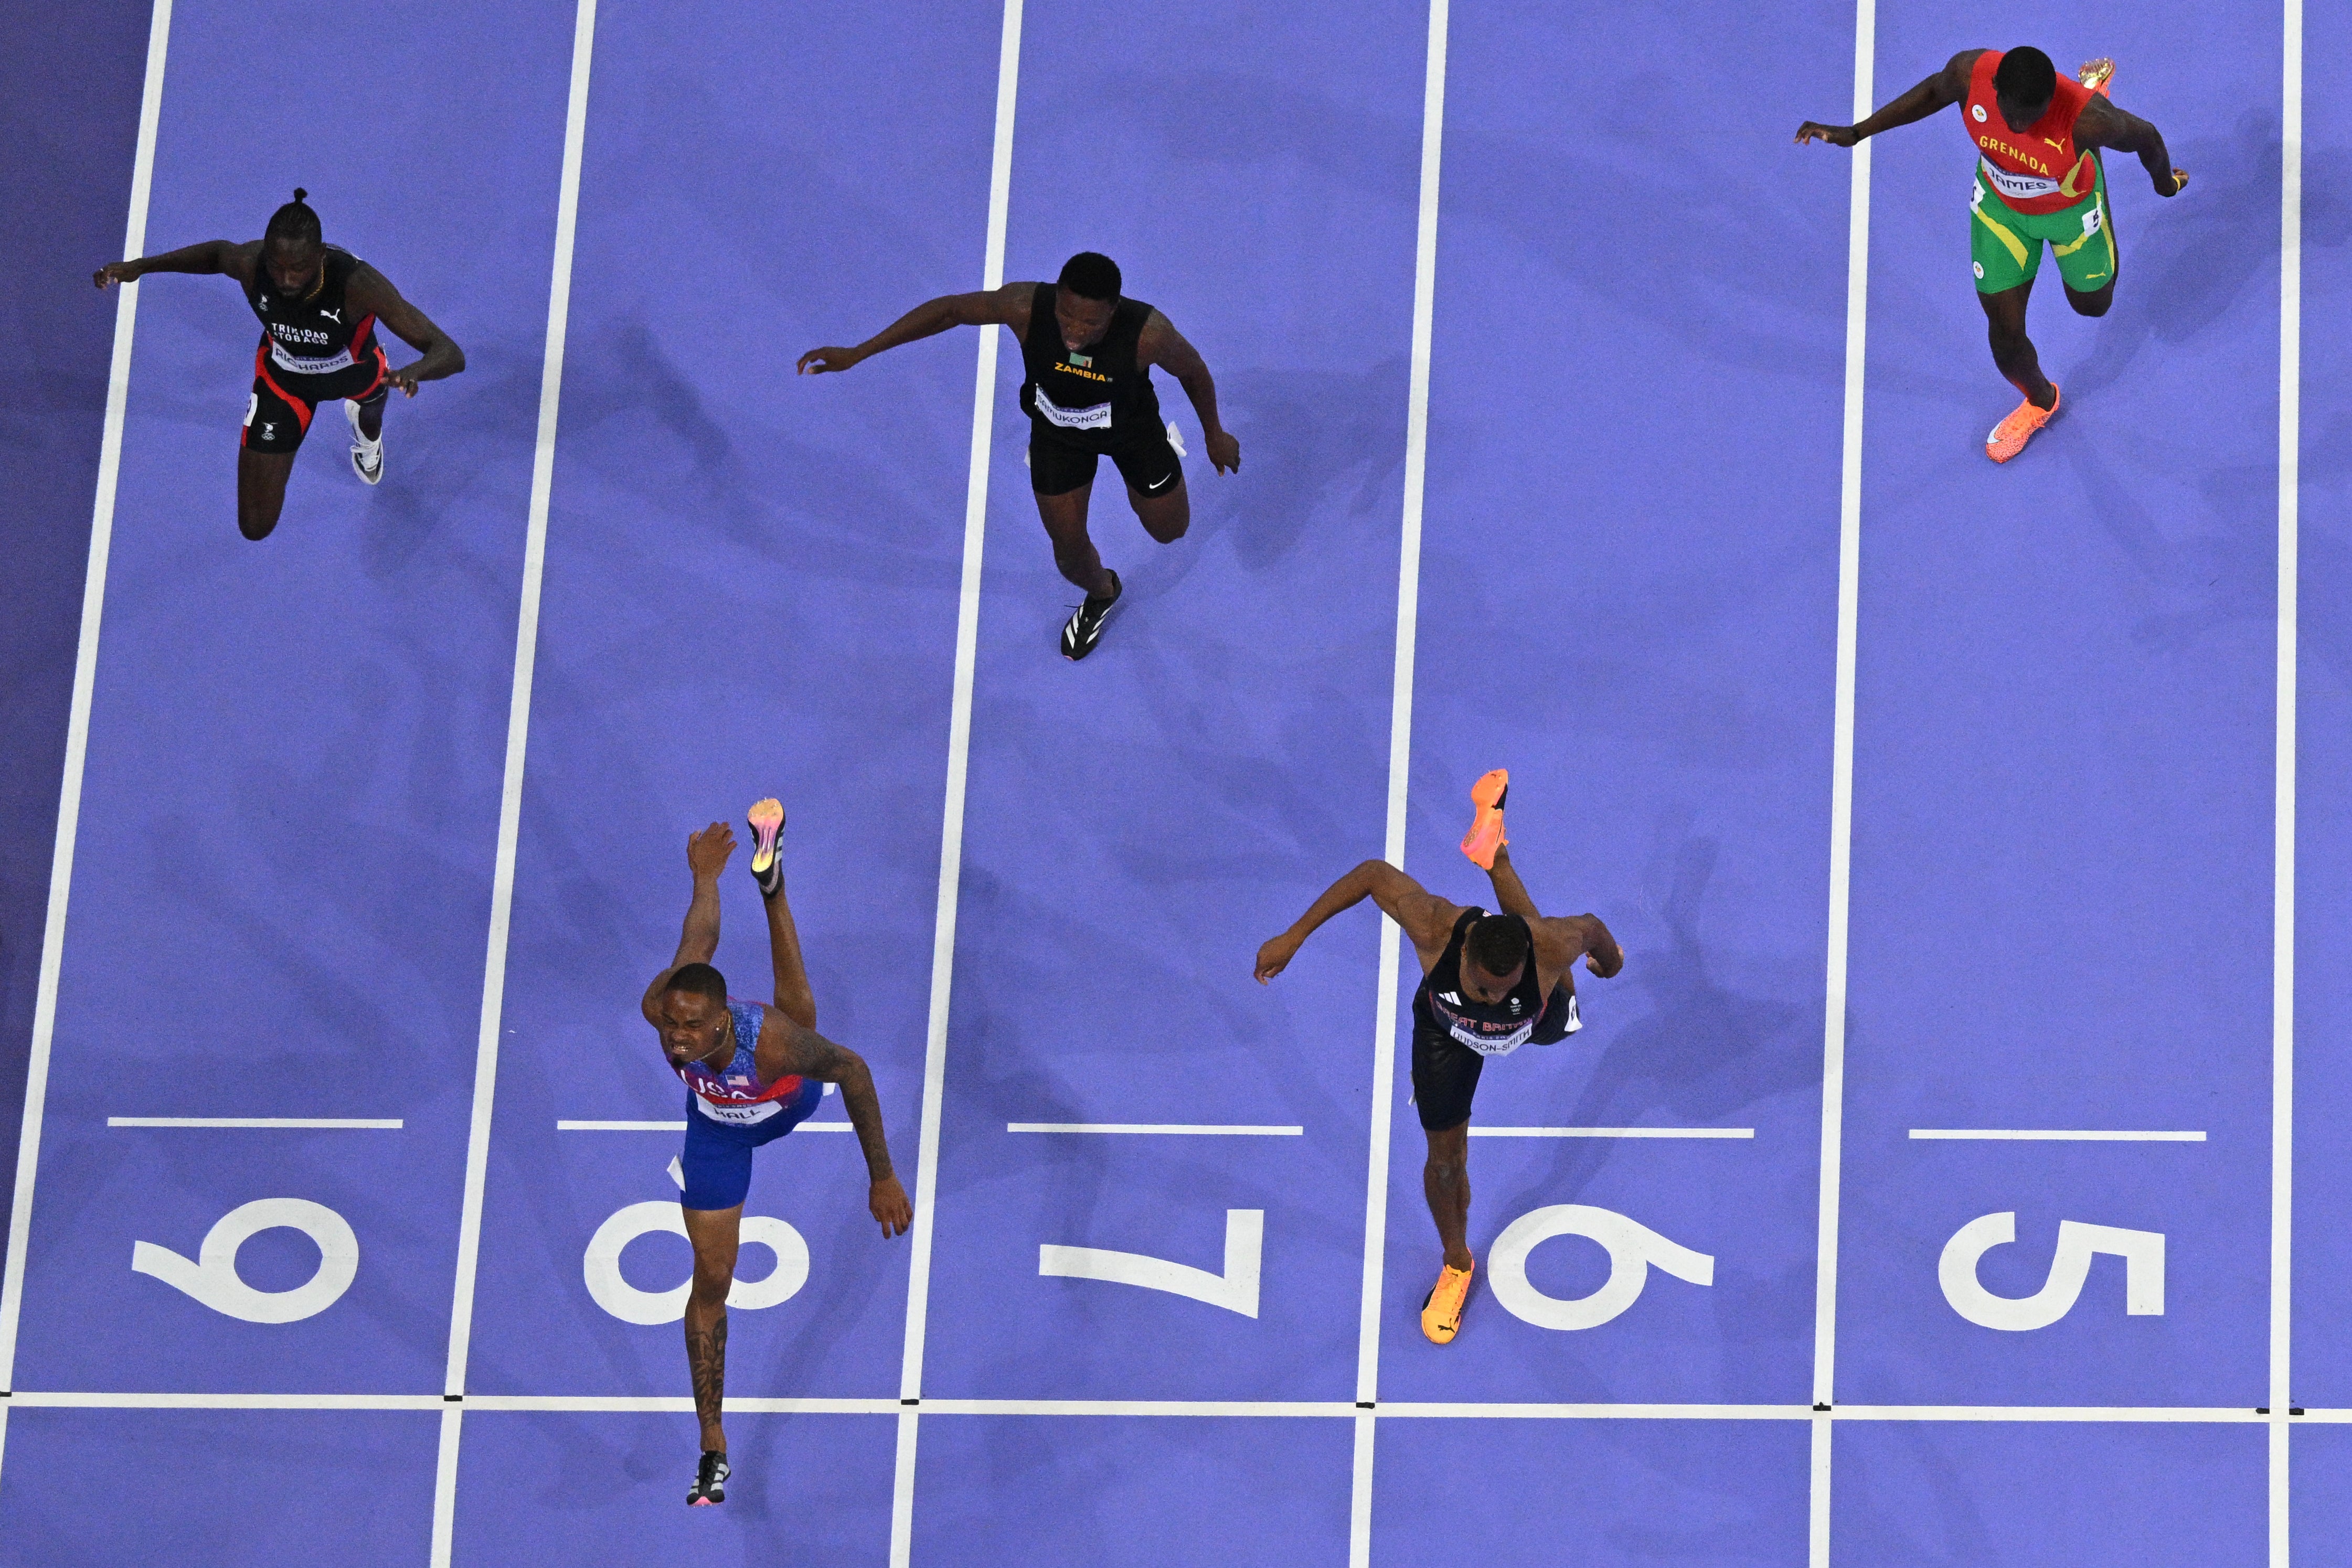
x=494 y=964
x=943 y=926
x=2290 y=501
x=333 y=1123
x=1179 y=1129
x=681 y=1127
x=1408 y=622
x=1478 y=1132
x=1849 y=599
x=1328 y=1409
x=2054 y=1135
x=93 y=606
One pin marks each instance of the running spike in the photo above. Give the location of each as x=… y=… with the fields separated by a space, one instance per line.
x=2098 y=75
x=1485 y=835
x=2019 y=426
x=1440 y=1310
x=367 y=456
x=1085 y=627
x=767 y=819
x=710 y=1486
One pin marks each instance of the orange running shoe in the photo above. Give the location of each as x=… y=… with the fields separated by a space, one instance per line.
x=1441 y=1310
x=1486 y=834
x=767 y=819
x=2098 y=75
x=2009 y=436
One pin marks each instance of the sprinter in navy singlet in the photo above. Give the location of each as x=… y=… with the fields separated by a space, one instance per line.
x=320 y=306
x=1490 y=984
x=752 y=1073
x=1086 y=354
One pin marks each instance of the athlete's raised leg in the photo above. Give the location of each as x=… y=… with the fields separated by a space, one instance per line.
x=1510 y=892
x=714 y=1233
x=1065 y=517
x=260 y=490
x=793 y=998
x=2013 y=350
x=1164 y=518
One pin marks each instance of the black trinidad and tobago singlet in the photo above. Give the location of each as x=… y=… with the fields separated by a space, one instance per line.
x=1500 y=1029
x=315 y=336
x=1097 y=397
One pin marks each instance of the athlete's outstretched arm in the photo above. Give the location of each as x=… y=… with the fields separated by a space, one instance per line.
x=1161 y=344
x=1593 y=941
x=2104 y=125
x=706 y=856
x=1424 y=916
x=373 y=292
x=1945 y=88
x=785 y=1048
x=206 y=256
x=1006 y=307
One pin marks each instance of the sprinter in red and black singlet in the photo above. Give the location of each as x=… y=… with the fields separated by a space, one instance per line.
x=752 y=1073
x=2039 y=179
x=320 y=306
x=1087 y=356
x=1490 y=984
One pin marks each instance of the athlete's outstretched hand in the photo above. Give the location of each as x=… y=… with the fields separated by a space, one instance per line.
x=2180 y=183
x=887 y=1202
x=1835 y=135
x=1224 y=451
x=114 y=272
x=404 y=379
x=817 y=361
x=707 y=852
x=1275 y=955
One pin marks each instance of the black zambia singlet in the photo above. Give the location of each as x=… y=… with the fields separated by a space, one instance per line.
x=1095 y=397
x=318 y=335
x=1495 y=1030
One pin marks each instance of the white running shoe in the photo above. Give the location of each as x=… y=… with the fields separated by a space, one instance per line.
x=367 y=456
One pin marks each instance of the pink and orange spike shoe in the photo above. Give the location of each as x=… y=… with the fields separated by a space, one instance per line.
x=2009 y=436
x=2098 y=76
x=767 y=819
x=1486 y=834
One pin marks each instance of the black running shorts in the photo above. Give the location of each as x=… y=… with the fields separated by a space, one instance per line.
x=1148 y=464
x=278 y=416
x=1444 y=1077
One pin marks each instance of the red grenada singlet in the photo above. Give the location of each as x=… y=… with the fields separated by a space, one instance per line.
x=2038 y=169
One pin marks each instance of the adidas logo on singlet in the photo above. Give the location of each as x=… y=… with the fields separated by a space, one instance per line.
x=1453 y=997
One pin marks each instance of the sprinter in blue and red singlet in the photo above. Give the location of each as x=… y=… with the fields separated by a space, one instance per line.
x=2039 y=180
x=752 y=1073
x=1490 y=984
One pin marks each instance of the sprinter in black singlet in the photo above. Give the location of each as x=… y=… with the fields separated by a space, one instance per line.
x=1491 y=983
x=1087 y=356
x=320 y=306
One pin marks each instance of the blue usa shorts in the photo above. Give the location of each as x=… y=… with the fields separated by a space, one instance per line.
x=718 y=1158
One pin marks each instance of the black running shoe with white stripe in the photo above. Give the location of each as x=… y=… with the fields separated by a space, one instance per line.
x=1085 y=627
x=710 y=1481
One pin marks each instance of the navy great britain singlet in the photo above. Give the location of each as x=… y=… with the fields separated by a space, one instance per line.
x=1504 y=1027
x=1094 y=397
x=319 y=334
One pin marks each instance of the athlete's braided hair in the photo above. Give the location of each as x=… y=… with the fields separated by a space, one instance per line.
x=1090 y=275
x=2025 y=76
x=1497 y=944
x=295 y=221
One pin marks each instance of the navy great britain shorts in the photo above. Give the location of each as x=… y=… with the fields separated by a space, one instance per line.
x=718 y=1158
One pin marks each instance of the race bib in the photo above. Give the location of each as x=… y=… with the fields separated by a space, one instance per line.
x=739 y=1115
x=1492 y=1044
x=301 y=366
x=1095 y=416
x=2018 y=187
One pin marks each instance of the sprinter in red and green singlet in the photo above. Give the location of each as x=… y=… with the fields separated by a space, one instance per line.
x=2039 y=179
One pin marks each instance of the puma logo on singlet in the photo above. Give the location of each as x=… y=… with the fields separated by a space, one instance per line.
x=334 y=315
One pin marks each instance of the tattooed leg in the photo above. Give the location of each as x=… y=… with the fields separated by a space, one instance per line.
x=713 y=1233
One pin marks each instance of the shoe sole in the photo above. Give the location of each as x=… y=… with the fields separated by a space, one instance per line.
x=766 y=830
x=1486 y=834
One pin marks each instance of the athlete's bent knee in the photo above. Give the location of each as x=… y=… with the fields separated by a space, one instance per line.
x=2091 y=304
x=255 y=525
